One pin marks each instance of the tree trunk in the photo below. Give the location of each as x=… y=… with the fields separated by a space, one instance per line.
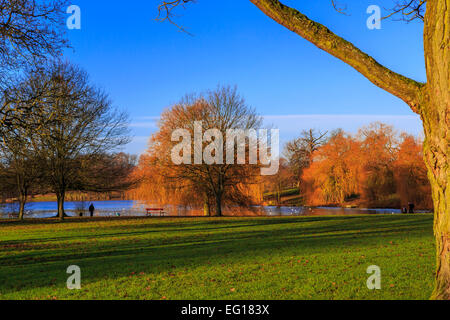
x=218 y=205
x=206 y=207
x=436 y=158
x=22 y=201
x=439 y=177
x=435 y=115
x=60 y=197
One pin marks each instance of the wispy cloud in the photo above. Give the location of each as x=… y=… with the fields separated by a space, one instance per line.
x=340 y=116
x=143 y=125
x=291 y=125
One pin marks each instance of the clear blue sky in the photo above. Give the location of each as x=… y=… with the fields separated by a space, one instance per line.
x=146 y=66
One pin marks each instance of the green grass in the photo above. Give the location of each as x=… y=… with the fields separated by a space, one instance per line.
x=229 y=258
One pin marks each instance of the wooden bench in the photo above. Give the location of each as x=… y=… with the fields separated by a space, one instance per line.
x=158 y=211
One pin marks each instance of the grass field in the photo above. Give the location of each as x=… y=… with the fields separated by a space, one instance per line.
x=229 y=258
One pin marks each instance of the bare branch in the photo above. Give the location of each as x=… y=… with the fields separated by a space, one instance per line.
x=409 y=10
x=165 y=12
x=402 y=87
x=338 y=8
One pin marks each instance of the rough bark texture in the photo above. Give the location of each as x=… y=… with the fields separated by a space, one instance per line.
x=430 y=100
x=218 y=212
x=435 y=115
x=206 y=207
x=60 y=199
x=22 y=201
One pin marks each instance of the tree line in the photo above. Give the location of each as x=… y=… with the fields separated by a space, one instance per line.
x=377 y=167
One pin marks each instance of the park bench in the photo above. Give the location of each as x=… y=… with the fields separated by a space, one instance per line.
x=156 y=211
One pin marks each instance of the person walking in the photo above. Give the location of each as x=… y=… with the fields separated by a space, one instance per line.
x=92 y=209
x=411 y=207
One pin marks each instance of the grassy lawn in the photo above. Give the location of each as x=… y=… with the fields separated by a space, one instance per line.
x=229 y=258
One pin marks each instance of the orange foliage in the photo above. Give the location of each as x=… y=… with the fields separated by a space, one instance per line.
x=411 y=174
x=334 y=172
x=377 y=168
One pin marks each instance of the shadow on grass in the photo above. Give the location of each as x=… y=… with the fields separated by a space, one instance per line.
x=159 y=245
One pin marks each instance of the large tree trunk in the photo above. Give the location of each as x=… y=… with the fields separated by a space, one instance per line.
x=218 y=212
x=436 y=117
x=206 y=207
x=60 y=198
x=436 y=158
x=22 y=202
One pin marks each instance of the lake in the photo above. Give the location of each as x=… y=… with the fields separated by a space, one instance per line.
x=137 y=208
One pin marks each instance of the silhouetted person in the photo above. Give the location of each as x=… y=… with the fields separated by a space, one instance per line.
x=411 y=207
x=404 y=210
x=91 y=209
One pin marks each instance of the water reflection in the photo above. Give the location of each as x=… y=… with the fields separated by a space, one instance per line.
x=138 y=208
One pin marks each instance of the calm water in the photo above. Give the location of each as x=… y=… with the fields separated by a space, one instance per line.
x=137 y=208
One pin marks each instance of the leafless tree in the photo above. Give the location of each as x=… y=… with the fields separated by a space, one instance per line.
x=22 y=169
x=299 y=151
x=30 y=32
x=105 y=172
x=77 y=123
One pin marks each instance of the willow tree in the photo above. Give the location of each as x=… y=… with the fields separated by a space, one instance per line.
x=204 y=119
x=431 y=100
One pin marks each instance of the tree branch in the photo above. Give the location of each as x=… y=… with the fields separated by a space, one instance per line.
x=402 y=87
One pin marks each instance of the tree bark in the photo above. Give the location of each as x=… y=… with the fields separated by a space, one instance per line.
x=60 y=198
x=439 y=174
x=206 y=207
x=218 y=205
x=22 y=201
x=436 y=119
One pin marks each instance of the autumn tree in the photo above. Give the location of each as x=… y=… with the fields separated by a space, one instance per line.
x=299 y=151
x=211 y=183
x=377 y=154
x=278 y=182
x=334 y=173
x=431 y=100
x=411 y=174
x=375 y=168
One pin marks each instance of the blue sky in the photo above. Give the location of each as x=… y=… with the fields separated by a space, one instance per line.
x=146 y=66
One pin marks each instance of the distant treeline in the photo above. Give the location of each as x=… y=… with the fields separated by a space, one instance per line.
x=377 y=167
